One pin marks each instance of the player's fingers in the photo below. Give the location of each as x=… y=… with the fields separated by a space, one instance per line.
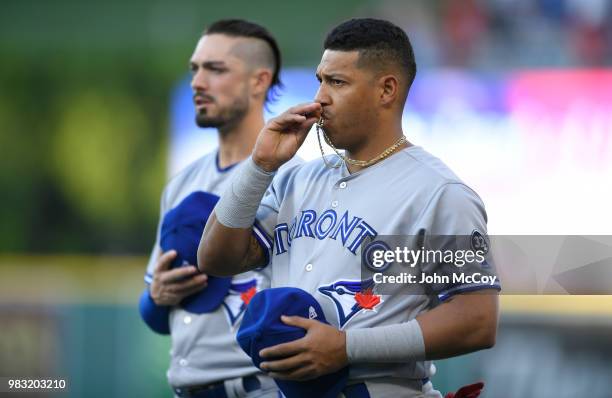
x=166 y=297
x=298 y=374
x=164 y=261
x=303 y=113
x=300 y=137
x=307 y=124
x=190 y=285
x=304 y=129
x=283 y=350
x=177 y=274
x=315 y=114
x=293 y=120
x=298 y=321
x=306 y=108
x=284 y=365
x=188 y=292
x=286 y=122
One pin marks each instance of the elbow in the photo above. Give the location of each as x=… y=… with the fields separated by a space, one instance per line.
x=489 y=338
x=211 y=254
x=486 y=321
x=211 y=260
x=486 y=335
x=222 y=249
x=207 y=254
x=202 y=256
x=206 y=263
x=201 y=264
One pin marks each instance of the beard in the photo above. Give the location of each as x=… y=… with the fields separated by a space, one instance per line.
x=227 y=118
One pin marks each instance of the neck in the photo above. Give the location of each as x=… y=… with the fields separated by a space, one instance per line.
x=236 y=144
x=377 y=142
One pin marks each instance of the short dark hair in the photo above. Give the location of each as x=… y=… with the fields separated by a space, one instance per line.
x=379 y=43
x=244 y=28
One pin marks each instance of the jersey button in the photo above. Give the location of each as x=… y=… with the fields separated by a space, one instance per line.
x=308 y=267
x=187 y=320
x=183 y=362
x=343 y=184
x=335 y=203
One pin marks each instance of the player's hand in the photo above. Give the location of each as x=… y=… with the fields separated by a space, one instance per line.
x=320 y=352
x=170 y=286
x=283 y=135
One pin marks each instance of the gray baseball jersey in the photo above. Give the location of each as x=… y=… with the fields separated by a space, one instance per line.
x=316 y=218
x=204 y=348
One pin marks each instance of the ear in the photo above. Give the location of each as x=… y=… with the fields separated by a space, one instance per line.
x=389 y=89
x=261 y=79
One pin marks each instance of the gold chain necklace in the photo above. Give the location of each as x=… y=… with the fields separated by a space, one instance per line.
x=355 y=162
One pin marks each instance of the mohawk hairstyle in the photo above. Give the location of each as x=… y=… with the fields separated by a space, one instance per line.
x=243 y=28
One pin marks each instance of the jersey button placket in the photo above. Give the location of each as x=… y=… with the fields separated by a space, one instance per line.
x=308 y=267
x=341 y=185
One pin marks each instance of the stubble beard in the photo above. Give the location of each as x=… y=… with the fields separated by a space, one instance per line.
x=227 y=119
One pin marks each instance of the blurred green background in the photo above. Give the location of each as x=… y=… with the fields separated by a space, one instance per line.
x=84 y=105
x=84 y=119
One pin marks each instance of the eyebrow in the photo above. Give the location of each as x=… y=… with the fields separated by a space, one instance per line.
x=332 y=75
x=208 y=64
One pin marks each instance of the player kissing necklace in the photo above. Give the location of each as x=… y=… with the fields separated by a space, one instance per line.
x=355 y=162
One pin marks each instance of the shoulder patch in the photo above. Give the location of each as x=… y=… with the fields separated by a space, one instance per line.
x=479 y=242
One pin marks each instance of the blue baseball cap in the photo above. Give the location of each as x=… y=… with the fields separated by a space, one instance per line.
x=181 y=230
x=262 y=327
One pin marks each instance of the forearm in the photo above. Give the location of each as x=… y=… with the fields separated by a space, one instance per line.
x=226 y=246
x=222 y=250
x=467 y=323
x=390 y=343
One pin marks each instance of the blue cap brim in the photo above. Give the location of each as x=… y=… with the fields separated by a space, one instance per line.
x=209 y=299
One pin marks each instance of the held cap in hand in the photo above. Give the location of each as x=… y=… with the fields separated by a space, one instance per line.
x=262 y=327
x=181 y=230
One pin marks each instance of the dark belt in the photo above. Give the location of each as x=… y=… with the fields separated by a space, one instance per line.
x=215 y=390
x=358 y=390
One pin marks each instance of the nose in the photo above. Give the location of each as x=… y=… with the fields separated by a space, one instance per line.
x=199 y=81
x=322 y=97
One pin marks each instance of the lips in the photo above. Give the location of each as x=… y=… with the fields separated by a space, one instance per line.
x=201 y=100
x=324 y=118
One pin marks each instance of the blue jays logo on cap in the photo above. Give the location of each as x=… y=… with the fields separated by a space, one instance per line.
x=262 y=327
x=350 y=297
x=181 y=230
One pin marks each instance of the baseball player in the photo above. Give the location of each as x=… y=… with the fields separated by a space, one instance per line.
x=235 y=66
x=316 y=215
